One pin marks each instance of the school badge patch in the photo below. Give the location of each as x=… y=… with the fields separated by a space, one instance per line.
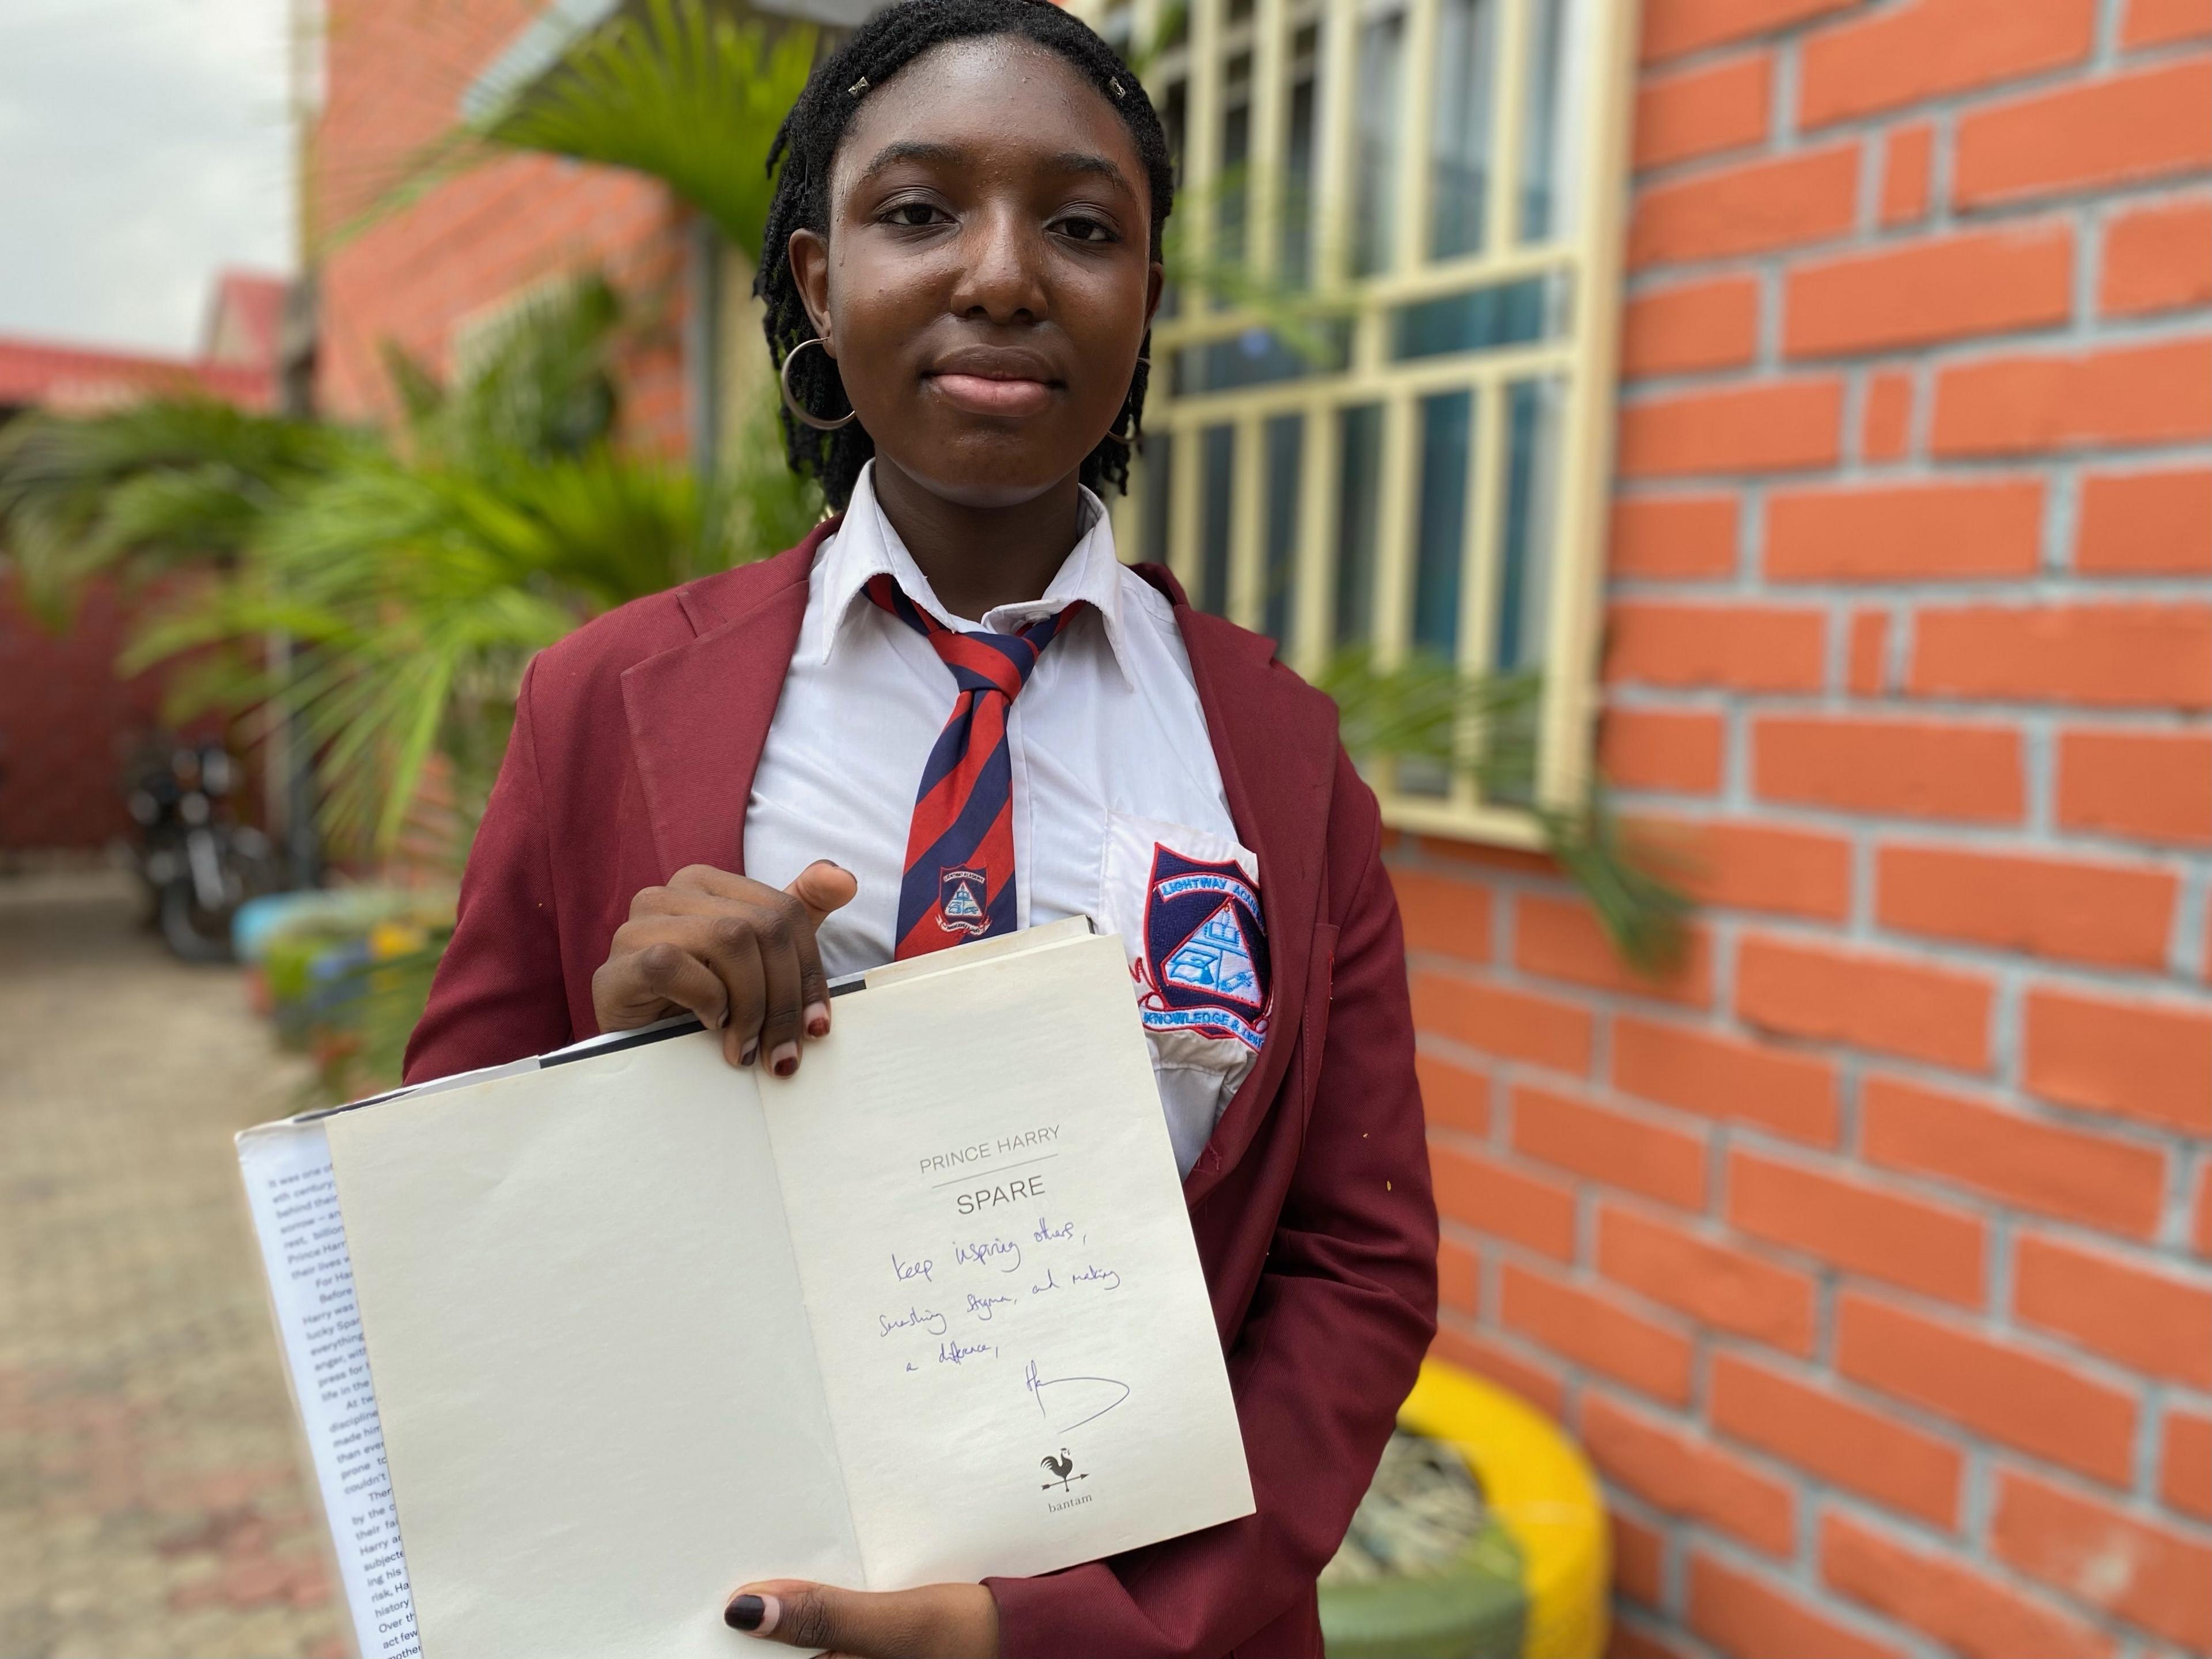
x=963 y=898
x=1206 y=951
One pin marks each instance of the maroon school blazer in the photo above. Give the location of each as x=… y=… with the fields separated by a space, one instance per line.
x=635 y=744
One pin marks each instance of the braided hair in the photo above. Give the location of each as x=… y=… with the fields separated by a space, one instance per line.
x=807 y=144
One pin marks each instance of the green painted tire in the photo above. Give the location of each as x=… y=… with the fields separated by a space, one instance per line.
x=1532 y=1585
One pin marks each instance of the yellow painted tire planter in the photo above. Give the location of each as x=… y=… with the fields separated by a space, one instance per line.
x=1534 y=1585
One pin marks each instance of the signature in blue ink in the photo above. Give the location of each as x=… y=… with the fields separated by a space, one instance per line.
x=927 y=1319
x=1002 y=1253
x=1104 y=1278
x=905 y=1270
x=1046 y=1232
x=1082 y=1399
x=956 y=1352
x=984 y=1306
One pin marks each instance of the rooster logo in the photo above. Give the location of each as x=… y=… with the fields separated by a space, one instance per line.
x=1063 y=1470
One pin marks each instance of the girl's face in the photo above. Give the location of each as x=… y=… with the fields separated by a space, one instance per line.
x=986 y=281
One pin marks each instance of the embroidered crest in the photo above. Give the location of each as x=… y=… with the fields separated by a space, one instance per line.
x=963 y=898
x=1205 y=966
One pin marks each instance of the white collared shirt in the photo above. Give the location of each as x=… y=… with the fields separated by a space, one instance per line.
x=1113 y=773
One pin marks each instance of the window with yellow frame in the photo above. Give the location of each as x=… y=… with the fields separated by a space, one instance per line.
x=1380 y=410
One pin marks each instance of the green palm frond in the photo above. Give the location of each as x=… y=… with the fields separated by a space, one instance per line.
x=1422 y=709
x=159 y=482
x=688 y=96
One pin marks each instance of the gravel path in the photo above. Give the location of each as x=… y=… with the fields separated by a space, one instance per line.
x=150 y=1501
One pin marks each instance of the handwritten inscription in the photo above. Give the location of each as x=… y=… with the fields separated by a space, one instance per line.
x=993 y=1277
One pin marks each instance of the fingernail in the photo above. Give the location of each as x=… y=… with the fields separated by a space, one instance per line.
x=757 y=1613
x=818 y=1019
x=785 y=1060
x=745 y=1055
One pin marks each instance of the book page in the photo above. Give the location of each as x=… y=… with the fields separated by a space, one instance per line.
x=601 y=1406
x=1013 y=1329
x=294 y=1200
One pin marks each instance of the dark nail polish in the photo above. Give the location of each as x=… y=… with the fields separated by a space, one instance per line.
x=744 y=1613
x=745 y=1055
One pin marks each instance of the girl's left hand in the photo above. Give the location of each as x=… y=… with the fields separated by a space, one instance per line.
x=937 y=1621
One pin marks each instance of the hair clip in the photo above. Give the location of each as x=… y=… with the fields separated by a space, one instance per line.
x=1114 y=86
x=857 y=88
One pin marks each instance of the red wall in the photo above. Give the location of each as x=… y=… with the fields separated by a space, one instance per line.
x=1867 y=1254
x=397 y=69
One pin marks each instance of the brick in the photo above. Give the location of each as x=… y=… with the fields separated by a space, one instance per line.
x=2115 y=656
x=1639 y=1560
x=1726 y=1078
x=1716 y=1283
x=1905 y=767
x=2145 y=524
x=2014 y=1397
x=2147 y=1060
x=2158 y=259
x=2185 y=1469
x=2164 y=22
x=1561 y=938
x=1627 y=1638
x=1673 y=537
x=1930 y=532
x=1863 y=1451
x=1673 y=28
x=1751 y=207
x=1868 y=672
x=1949 y=287
x=1443 y=913
x=1686 y=1475
x=1494 y=1197
x=1888 y=1003
x=1512 y=1024
x=1452 y=1096
x=1789 y=426
x=1968 y=1612
x=1908 y=54
x=2118 y=130
x=2053 y=1169
x=1747 y=1618
x=2149 y=786
x=1459 y=1279
x=1860 y=1227
x=1622 y=1150
x=1541 y=1386
x=1738 y=647
x=1689 y=328
x=1678 y=749
x=1907 y=169
x=1886 y=433
x=1752 y=866
x=2159 y=393
x=2112 y=915
x=2156 y=1322
x=1592 y=1328
x=1702 y=111
x=2152 y=1577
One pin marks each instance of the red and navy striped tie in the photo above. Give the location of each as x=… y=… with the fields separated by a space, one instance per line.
x=959 y=878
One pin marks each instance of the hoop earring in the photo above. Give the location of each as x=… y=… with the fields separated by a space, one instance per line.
x=798 y=411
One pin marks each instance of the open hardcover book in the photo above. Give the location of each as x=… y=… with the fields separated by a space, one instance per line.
x=581 y=1344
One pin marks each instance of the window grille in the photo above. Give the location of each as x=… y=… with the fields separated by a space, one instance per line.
x=1381 y=417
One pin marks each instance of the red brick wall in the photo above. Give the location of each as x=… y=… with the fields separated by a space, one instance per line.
x=1868 y=1253
x=397 y=69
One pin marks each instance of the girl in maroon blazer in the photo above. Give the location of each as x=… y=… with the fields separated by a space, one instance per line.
x=951 y=712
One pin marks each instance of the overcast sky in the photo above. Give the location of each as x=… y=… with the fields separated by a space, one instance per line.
x=142 y=148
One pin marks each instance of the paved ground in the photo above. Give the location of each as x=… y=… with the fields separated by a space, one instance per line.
x=150 y=1499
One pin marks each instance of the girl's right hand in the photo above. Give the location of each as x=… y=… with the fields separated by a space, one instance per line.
x=739 y=954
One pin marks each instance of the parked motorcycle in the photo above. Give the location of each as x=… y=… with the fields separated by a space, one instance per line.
x=199 y=864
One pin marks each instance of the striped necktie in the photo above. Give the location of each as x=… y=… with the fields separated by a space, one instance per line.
x=959 y=881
